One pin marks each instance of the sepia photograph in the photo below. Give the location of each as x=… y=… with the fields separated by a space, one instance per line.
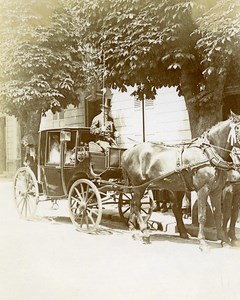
x=119 y=149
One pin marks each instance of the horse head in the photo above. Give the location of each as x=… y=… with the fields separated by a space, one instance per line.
x=225 y=135
x=234 y=133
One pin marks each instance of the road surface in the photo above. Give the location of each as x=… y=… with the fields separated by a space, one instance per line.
x=48 y=259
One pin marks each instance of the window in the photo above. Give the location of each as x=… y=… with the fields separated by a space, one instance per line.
x=70 y=147
x=148 y=103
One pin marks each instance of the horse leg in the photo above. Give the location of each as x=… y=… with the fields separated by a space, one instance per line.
x=234 y=217
x=227 y=196
x=136 y=214
x=215 y=197
x=132 y=222
x=186 y=205
x=176 y=199
x=142 y=223
x=202 y=214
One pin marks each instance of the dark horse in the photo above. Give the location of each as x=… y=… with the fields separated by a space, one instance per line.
x=200 y=165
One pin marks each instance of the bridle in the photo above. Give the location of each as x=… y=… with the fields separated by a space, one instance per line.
x=214 y=157
x=233 y=133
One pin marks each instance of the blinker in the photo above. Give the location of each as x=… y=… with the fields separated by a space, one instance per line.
x=232 y=138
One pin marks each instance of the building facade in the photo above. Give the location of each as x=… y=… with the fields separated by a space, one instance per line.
x=10 y=146
x=164 y=119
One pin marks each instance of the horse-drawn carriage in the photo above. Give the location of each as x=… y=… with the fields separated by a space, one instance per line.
x=72 y=164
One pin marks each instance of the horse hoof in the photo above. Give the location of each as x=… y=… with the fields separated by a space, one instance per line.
x=146 y=240
x=136 y=237
x=235 y=243
x=184 y=236
x=204 y=246
x=225 y=244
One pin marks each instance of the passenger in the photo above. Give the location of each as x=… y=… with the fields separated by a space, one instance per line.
x=70 y=157
x=54 y=155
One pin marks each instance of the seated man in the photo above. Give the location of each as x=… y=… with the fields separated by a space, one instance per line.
x=103 y=126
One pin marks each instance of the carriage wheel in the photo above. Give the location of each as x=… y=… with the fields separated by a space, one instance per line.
x=26 y=193
x=85 y=206
x=124 y=205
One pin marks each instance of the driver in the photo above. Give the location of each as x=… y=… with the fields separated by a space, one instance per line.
x=103 y=126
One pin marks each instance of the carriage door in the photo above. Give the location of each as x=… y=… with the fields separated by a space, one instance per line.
x=52 y=169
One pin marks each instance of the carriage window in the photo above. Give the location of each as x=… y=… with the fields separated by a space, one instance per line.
x=70 y=149
x=42 y=147
x=53 y=148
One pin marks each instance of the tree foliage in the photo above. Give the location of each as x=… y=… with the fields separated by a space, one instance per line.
x=150 y=44
x=52 y=49
x=40 y=62
x=144 y=42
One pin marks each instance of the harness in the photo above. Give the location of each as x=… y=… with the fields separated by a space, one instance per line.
x=212 y=159
x=185 y=172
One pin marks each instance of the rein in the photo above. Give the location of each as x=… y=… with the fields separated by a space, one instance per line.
x=217 y=147
x=214 y=157
x=161 y=177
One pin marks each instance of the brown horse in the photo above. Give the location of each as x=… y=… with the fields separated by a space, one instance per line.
x=231 y=201
x=200 y=165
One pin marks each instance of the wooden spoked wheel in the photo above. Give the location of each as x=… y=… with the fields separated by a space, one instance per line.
x=85 y=206
x=26 y=193
x=124 y=201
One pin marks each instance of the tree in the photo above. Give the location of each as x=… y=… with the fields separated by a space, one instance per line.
x=51 y=50
x=40 y=62
x=151 y=44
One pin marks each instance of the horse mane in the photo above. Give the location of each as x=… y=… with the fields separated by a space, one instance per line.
x=216 y=125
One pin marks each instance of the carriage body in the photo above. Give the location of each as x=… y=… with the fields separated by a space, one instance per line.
x=72 y=165
x=68 y=154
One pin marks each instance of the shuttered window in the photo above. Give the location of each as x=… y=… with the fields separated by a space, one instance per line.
x=148 y=103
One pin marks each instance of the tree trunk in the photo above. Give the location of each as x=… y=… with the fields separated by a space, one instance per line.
x=202 y=117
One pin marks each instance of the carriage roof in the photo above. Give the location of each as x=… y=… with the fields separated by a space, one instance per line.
x=65 y=128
